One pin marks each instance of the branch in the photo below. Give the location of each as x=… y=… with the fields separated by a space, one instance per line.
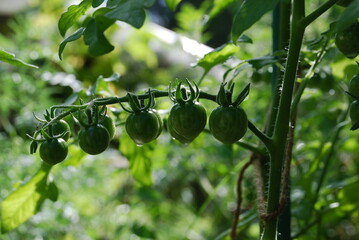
x=317 y=13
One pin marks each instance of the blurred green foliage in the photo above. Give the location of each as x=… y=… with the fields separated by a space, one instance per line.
x=192 y=193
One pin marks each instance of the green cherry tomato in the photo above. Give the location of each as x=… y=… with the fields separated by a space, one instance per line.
x=347 y=41
x=109 y=124
x=94 y=139
x=187 y=120
x=354 y=86
x=354 y=114
x=53 y=151
x=228 y=124
x=61 y=127
x=143 y=126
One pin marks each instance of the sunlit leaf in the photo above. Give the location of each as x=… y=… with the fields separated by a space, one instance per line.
x=73 y=37
x=219 y=6
x=26 y=201
x=350 y=15
x=95 y=38
x=139 y=158
x=248 y=14
x=217 y=56
x=131 y=12
x=172 y=4
x=11 y=59
x=72 y=15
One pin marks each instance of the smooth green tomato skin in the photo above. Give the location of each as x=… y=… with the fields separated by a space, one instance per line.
x=347 y=41
x=94 y=139
x=61 y=127
x=354 y=86
x=53 y=151
x=187 y=121
x=228 y=124
x=354 y=114
x=144 y=126
x=109 y=124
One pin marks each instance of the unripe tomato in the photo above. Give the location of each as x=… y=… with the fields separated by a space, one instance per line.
x=228 y=124
x=94 y=139
x=354 y=86
x=187 y=120
x=175 y=135
x=60 y=127
x=109 y=124
x=53 y=151
x=143 y=126
x=354 y=114
x=347 y=41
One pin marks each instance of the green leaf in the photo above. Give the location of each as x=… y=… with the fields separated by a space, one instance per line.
x=131 y=12
x=72 y=15
x=25 y=201
x=139 y=158
x=52 y=191
x=219 y=6
x=249 y=13
x=259 y=62
x=76 y=35
x=244 y=39
x=217 y=56
x=96 y=3
x=95 y=38
x=172 y=4
x=10 y=58
x=350 y=15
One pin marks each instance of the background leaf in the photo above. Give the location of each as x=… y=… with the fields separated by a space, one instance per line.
x=131 y=12
x=217 y=56
x=350 y=15
x=10 y=58
x=95 y=38
x=73 y=37
x=26 y=201
x=172 y=4
x=139 y=158
x=71 y=16
x=249 y=13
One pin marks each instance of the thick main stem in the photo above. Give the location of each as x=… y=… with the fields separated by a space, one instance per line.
x=283 y=118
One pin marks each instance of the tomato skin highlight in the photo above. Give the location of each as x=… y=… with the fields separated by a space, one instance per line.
x=61 y=127
x=228 y=124
x=144 y=126
x=94 y=139
x=187 y=121
x=53 y=151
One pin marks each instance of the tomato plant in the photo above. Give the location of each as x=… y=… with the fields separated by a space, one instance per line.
x=287 y=131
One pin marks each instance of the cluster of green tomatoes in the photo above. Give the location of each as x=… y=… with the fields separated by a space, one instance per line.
x=186 y=120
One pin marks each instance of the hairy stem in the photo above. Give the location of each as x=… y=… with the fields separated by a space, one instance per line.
x=283 y=118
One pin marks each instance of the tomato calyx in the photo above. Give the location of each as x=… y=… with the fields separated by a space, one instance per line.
x=224 y=96
x=181 y=95
x=137 y=105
